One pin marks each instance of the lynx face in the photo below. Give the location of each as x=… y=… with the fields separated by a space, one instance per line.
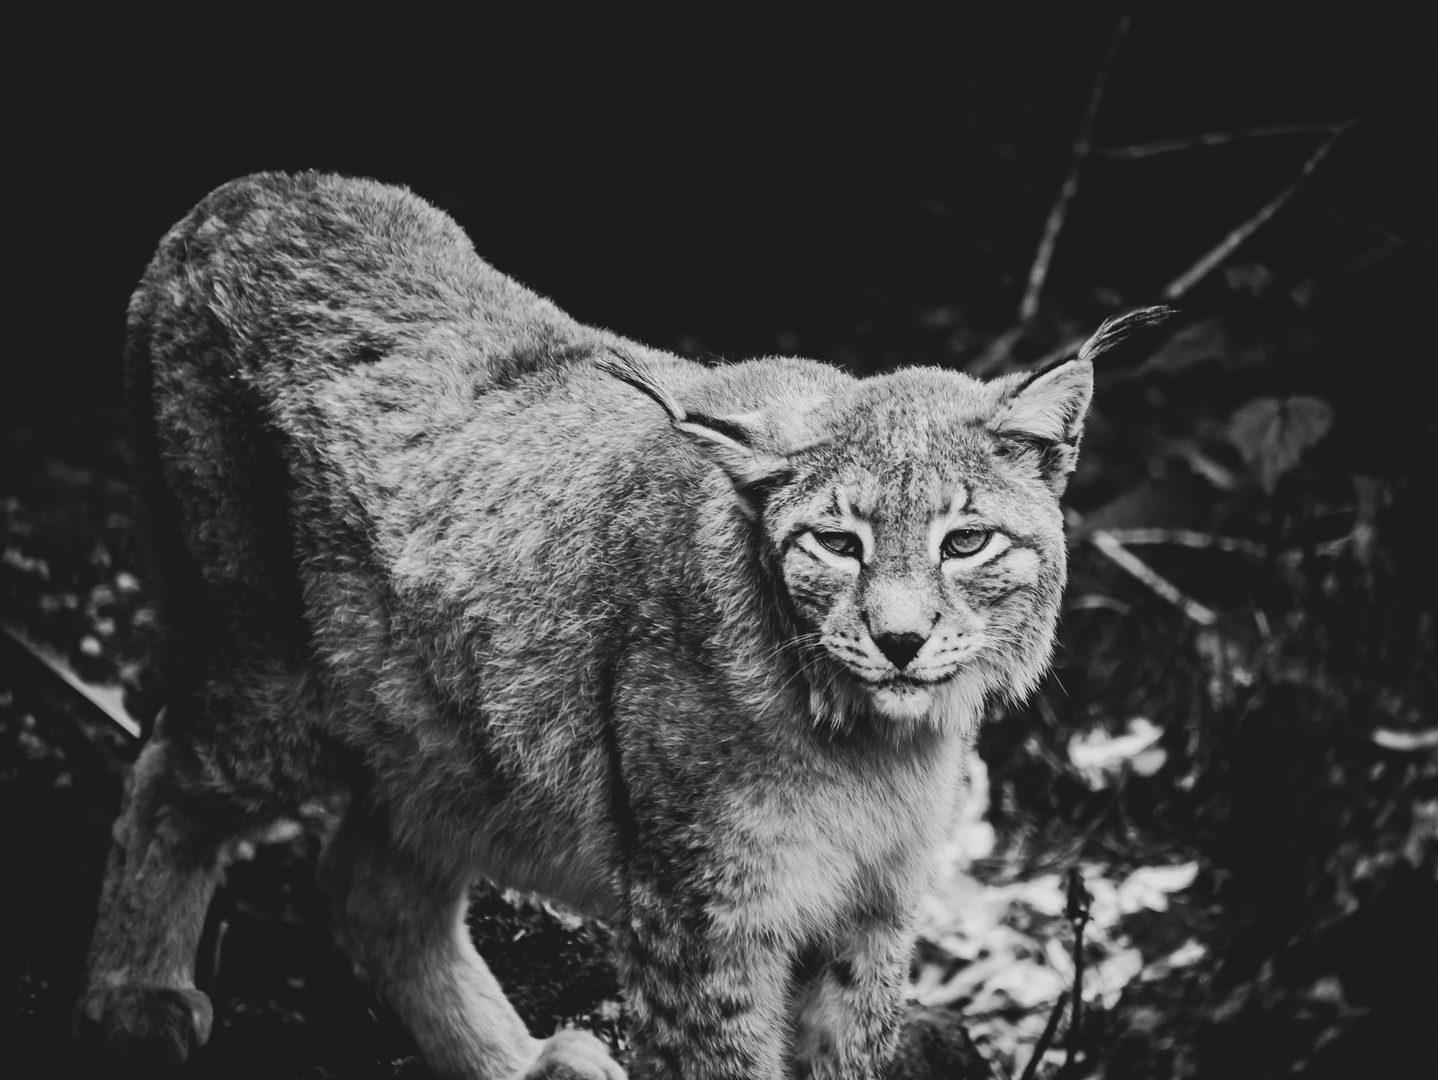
x=921 y=547
x=914 y=516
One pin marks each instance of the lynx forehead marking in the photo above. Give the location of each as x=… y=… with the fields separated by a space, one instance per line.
x=851 y=520
x=956 y=516
x=841 y=518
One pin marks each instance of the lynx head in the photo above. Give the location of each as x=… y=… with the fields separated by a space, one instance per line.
x=913 y=519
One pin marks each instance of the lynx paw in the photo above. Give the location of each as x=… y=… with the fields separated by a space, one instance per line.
x=156 y=1024
x=574 y=1055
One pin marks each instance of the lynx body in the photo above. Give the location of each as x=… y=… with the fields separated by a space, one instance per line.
x=697 y=650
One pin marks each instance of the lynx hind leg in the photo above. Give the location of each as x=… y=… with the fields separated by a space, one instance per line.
x=139 y=999
x=404 y=925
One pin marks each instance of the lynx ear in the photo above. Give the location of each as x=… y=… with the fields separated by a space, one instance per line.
x=1044 y=418
x=731 y=442
x=1045 y=412
x=1049 y=408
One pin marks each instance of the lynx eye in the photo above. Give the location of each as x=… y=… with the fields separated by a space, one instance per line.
x=964 y=542
x=841 y=543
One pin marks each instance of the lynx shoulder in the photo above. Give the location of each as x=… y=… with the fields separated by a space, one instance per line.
x=697 y=650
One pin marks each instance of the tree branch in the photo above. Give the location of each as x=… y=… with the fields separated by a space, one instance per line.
x=1029 y=306
x=1225 y=247
x=1211 y=138
x=1127 y=560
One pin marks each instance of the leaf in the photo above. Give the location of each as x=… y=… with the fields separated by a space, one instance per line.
x=1405 y=741
x=1100 y=757
x=1272 y=434
x=1149 y=886
x=1186 y=955
x=1197 y=343
x=1106 y=981
x=1024 y=983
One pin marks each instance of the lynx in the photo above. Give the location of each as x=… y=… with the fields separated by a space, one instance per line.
x=697 y=650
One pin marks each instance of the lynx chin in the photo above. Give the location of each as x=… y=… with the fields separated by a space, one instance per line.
x=697 y=650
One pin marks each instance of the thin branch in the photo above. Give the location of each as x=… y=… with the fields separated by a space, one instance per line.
x=1201 y=269
x=995 y=354
x=1160 y=585
x=1000 y=351
x=1042 y=1046
x=1379 y=231
x=1405 y=741
x=105 y=700
x=1189 y=538
x=1078 y=915
x=1211 y=138
x=1029 y=306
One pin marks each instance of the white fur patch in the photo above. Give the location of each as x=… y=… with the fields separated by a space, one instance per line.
x=1023 y=562
x=904 y=701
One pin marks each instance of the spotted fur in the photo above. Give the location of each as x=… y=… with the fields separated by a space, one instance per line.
x=531 y=602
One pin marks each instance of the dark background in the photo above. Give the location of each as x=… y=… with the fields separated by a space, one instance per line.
x=868 y=186
x=720 y=180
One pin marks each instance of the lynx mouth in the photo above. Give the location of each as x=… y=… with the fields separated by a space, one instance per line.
x=908 y=682
x=897 y=679
x=903 y=697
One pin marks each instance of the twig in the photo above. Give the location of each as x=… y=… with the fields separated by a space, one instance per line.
x=1042 y=1046
x=1189 y=538
x=1127 y=560
x=995 y=353
x=1060 y=352
x=1405 y=741
x=1379 y=231
x=1029 y=306
x=1001 y=349
x=1201 y=269
x=1210 y=138
x=1078 y=915
x=107 y=701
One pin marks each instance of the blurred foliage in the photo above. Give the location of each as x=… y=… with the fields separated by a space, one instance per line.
x=1275 y=722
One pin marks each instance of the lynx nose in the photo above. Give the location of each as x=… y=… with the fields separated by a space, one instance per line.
x=900 y=648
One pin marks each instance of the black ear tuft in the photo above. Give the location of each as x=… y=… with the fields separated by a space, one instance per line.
x=626 y=369
x=1120 y=328
x=731 y=442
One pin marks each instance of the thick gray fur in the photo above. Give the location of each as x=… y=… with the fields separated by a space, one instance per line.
x=429 y=554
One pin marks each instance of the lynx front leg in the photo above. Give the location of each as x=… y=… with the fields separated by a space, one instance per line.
x=404 y=925
x=705 y=1003
x=847 y=1013
x=139 y=999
